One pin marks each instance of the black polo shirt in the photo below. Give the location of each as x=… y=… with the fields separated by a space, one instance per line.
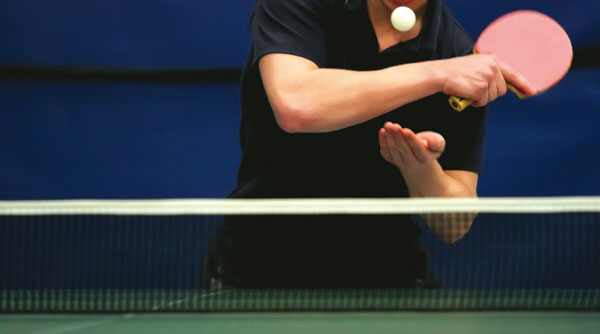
x=346 y=163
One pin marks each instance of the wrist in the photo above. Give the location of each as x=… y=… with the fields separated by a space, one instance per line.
x=422 y=170
x=424 y=180
x=438 y=74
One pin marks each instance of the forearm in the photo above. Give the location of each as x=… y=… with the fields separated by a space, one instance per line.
x=432 y=181
x=324 y=100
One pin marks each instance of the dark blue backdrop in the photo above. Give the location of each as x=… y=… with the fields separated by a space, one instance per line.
x=191 y=34
x=144 y=139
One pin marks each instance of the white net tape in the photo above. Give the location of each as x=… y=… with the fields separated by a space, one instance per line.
x=301 y=206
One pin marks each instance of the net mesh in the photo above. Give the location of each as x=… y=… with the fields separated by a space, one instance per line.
x=147 y=256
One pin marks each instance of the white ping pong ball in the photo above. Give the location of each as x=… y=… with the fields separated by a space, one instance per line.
x=403 y=18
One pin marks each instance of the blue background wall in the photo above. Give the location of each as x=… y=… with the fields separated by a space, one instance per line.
x=117 y=137
x=150 y=139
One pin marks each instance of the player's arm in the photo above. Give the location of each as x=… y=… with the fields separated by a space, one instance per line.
x=416 y=156
x=306 y=98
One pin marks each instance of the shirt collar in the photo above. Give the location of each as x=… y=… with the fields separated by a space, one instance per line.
x=428 y=37
x=353 y=5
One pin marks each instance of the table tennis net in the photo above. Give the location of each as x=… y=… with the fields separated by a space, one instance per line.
x=149 y=256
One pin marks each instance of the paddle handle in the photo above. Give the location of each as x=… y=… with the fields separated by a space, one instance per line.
x=460 y=104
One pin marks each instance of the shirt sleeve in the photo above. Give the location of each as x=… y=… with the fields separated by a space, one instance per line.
x=289 y=26
x=464 y=133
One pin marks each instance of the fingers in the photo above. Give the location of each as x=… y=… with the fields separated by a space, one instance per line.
x=405 y=149
x=384 y=149
x=482 y=78
x=499 y=84
x=495 y=85
x=388 y=148
x=482 y=100
x=396 y=145
x=391 y=147
x=516 y=79
x=493 y=90
x=500 y=81
x=397 y=139
x=417 y=146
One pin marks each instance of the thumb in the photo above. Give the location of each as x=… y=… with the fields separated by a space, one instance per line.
x=435 y=142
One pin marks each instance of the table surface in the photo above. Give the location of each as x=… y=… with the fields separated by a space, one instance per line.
x=265 y=312
x=305 y=322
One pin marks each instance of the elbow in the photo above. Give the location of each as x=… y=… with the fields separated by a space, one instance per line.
x=454 y=237
x=296 y=121
x=457 y=230
x=450 y=228
x=293 y=115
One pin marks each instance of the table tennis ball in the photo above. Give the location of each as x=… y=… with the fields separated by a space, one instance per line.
x=403 y=18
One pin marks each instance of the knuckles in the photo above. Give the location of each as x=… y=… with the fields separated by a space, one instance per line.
x=481 y=88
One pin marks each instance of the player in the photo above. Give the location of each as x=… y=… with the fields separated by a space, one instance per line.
x=338 y=103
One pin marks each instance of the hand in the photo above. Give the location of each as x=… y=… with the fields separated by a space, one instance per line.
x=407 y=150
x=481 y=78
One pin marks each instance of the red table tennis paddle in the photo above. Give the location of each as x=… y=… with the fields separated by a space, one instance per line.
x=530 y=42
